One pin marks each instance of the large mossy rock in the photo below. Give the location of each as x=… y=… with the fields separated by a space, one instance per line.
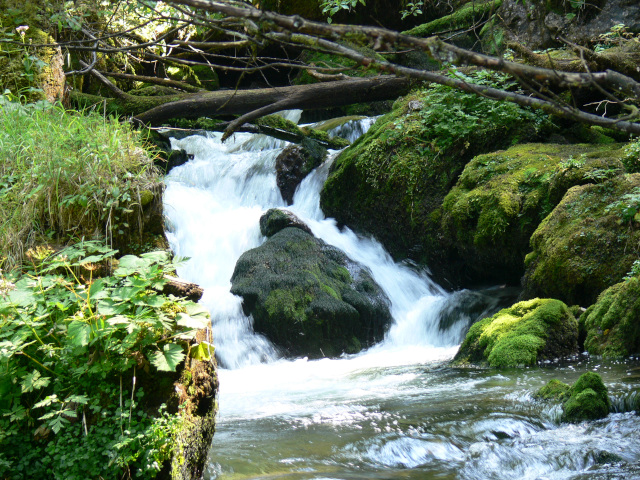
x=308 y=298
x=613 y=322
x=587 y=244
x=501 y=198
x=391 y=182
x=586 y=399
x=521 y=335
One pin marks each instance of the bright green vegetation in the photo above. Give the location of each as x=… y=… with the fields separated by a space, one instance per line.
x=521 y=335
x=586 y=399
x=65 y=176
x=553 y=390
x=588 y=243
x=391 y=181
x=83 y=355
x=303 y=297
x=500 y=199
x=470 y=13
x=612 y=323
x=631 y=160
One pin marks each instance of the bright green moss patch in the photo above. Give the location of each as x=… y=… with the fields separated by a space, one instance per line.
x=521 y=335
x=500 y=199
x=553 y=390
x=613 y=322
x=588 y=243
x=588 y=399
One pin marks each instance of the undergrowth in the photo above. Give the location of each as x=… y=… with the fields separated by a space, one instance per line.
x=65 y=176
x=71 y=348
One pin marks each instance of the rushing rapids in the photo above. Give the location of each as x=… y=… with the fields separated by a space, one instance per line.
x=394 y=411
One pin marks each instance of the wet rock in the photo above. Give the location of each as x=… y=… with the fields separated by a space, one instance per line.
x=276 y=219
x=294 y=163
x=587 y=244
x=308 y=298
x=521 y=335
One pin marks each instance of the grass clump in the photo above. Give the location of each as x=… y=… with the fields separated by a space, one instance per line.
x=65 y=176
x=84 y=362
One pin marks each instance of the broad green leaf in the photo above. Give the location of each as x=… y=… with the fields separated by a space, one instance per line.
x=79 y=333
x=22 y=297
x=202 y=351
x=49 y=399
x=159 y=256
x=33 y=381
x=83 y=399
x=192 y=322
x=118 y=320
x=168 y=358
x=197 y=310
x=107 y=306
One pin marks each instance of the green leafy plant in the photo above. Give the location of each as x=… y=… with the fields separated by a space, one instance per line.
x=627 y=208
x=69 y=345
x=331 y=7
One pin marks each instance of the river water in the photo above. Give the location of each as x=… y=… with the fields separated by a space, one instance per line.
x=396 y=411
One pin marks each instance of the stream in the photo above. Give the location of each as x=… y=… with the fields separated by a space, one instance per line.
x=397 y=410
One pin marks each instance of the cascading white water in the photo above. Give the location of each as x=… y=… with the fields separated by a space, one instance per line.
x=213 y=205
x=394 y=411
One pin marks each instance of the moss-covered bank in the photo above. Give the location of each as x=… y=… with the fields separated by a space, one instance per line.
x=613 y=322
x=588 y=243
x=521 y=335
x=501 y=198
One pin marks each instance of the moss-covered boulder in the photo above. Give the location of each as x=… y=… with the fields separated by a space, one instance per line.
x=308 y=298
x=470 y=15
x=521 y=335
x=501 y=198
x=613 y=322
x=586 y=399
x=588 y=243
x=391 y=182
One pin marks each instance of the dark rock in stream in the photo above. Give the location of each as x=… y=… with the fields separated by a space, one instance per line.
x=294 y=163
x=276 y=219
x=308 y=297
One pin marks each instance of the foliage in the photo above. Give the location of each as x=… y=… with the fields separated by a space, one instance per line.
x=71 y=347
x=631 y=160
x=67 y=176
x=331 y=7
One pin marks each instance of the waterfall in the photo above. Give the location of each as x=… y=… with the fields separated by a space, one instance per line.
x=213 y=205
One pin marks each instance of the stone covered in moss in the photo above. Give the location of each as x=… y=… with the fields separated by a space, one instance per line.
x=308 y=298
x=553 y=390
x=391 y=182
x=469 y=15
x=521 y=335
x=588 y=399
x=501 y=198
x=588 y=242
x=613 y=322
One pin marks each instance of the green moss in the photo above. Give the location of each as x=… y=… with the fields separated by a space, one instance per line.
x=588 y=399
x=466 y=16
x=500 y=199
x=521 y=335
x=588 y=243
x=391 y=181
x=612 y=323
x=553 y=390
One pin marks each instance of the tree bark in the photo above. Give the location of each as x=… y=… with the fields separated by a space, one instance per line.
x=254 y=103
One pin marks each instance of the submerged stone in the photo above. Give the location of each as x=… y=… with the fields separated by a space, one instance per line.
x=521 y=335
x=308 y=297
